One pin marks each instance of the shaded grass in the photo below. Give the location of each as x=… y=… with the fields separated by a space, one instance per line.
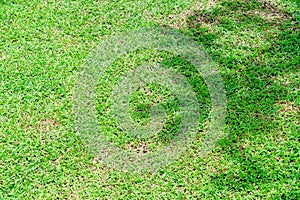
x=147 y=97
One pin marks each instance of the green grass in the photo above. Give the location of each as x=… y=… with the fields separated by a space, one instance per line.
x=256 y=45
x=146 y=97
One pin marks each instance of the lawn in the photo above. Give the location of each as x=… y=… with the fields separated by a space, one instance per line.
x=256 y=45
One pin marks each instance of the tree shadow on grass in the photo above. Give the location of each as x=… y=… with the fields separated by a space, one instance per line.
x=253 y=43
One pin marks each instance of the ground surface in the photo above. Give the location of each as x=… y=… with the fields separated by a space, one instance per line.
x=256 y=46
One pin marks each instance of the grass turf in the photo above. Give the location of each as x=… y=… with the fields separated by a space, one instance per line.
x=256 y=45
